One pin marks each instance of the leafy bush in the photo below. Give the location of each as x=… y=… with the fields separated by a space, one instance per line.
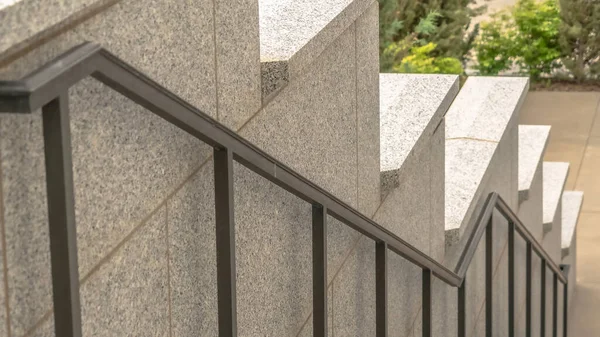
x=420 y=60
x=527 y=37
x=580 y=37
x=404 y=21
x=414 y=54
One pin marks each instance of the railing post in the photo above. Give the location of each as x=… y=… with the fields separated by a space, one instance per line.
x=61 y=217
x=489 y=268
x=511 y=279
x=225 y=239
x=555 y=305
x=528 y=282
x=319 y=253
x=381 y=289
x=462 y=309
x=426 y=326
x=543 y=300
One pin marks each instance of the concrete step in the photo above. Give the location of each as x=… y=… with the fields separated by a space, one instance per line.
x=481 y=147
x=533 y=140
x=481 y=157
x=571 y=206
x=555 y=178
x=294 y=33
x=412 y=106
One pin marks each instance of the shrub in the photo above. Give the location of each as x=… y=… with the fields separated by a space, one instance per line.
x=399 y=21
x=580 y=37
x=420 y=60
x=526 y=37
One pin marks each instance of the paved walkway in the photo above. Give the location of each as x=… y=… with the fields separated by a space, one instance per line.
x=575 y=137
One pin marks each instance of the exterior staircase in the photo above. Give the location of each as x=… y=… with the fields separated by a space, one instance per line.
x=300 y=80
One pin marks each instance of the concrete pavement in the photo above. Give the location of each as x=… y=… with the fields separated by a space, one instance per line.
x=575 y=137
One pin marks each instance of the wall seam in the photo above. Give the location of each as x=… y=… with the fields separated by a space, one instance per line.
x=4 y=254
x=475 y=139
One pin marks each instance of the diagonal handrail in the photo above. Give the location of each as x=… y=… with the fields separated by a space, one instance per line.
x=46 y=88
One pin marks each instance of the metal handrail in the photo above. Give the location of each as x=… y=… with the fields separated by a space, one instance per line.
x=47 y=89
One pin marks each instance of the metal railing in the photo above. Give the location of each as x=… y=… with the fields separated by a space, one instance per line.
x=47 y=89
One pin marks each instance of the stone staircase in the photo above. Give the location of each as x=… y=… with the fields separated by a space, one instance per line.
x=300 y=79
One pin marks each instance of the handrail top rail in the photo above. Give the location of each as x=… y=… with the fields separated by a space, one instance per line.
x=56 y=77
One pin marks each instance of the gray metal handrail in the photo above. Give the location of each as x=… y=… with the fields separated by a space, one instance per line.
x=47 y=89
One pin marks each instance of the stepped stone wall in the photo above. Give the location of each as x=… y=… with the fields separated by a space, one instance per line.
x=144 y=198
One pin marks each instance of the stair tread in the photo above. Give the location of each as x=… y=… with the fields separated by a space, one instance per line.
x=411 y=105
x=294 y=33
x=533 y=140
x=571 y=206
x=555 y=178
x=475 y=123
x=484 y=107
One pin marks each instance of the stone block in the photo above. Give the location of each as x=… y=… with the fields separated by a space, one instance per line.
x=367 y=109
x=111 y=162
x=571 y=206
x=533 y=140
x=555 y=178
x=273 y=247
x=238 y=69
x=486 y=107
x=404 y=295
x=402 y=211
x=462 y=181
x=311 y=124
x=192 y=257
x=297 y=32
x=412 y=107
x=354 y=293
x=551 y=240
x=24 y=19
x=128 y=295
x=153 y=36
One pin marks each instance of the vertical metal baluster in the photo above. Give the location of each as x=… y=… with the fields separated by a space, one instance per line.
x=381 y=289
x=462 y=309
x=511 y=279
x=61 y=217
x=543 y=300
x=319 y=253
x=528 y=283
x=489 y=268
x=426 y=326
x=555 y=305
x=225 y=239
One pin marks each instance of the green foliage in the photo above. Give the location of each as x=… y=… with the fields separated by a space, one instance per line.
x=525 y=37
x=420 y=60
x=408 y=22
x=580 y=37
